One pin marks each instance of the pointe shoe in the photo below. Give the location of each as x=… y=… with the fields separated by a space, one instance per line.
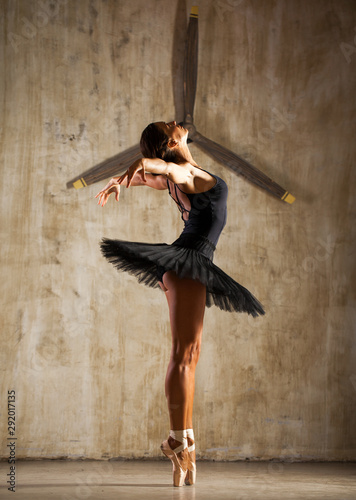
x=179 y=465
x=192 y=468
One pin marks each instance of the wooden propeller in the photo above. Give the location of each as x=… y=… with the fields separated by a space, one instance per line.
x=120 y=162
x=216 y=151
x=107 y=168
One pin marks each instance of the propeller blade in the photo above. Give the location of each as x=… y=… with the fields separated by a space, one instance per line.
x=179 y=40
x=107 y=168
x=191 y=66
x=241 y=167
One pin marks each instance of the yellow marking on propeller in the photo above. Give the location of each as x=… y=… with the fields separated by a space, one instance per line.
x=79 y=183
x=194 y=11
x=289 y=198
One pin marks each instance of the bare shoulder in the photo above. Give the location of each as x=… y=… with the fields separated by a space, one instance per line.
x=201 y=180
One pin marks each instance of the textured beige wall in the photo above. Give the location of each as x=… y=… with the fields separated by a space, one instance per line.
x=85 y=348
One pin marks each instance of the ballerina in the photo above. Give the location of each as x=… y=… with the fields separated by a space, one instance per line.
x=183 y=270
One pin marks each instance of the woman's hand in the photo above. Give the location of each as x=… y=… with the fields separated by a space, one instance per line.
x=113 y=186
x=136 y=176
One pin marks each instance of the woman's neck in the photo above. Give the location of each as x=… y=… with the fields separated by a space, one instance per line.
x=184 y=155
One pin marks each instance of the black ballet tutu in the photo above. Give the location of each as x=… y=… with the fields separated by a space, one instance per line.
x=190 y=256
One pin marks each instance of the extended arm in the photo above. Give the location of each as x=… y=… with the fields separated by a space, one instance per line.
x=192 y=179
x=175 y=173
x=113 y=186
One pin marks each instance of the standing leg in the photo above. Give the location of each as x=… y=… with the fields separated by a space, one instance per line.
x=186 y=300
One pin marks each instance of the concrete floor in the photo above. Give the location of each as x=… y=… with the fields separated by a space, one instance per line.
x=121 y=480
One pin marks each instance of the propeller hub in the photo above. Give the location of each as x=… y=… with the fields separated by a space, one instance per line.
x=188 y=124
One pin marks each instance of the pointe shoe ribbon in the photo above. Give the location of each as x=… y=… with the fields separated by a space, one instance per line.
x=179 y=466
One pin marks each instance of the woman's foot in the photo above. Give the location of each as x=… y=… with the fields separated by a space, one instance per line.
x=178 y=453
x=192 y=470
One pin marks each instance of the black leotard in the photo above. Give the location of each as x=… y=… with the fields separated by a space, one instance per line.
x=204 y=213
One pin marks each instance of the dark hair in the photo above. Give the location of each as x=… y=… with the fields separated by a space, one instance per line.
x=154 y=144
